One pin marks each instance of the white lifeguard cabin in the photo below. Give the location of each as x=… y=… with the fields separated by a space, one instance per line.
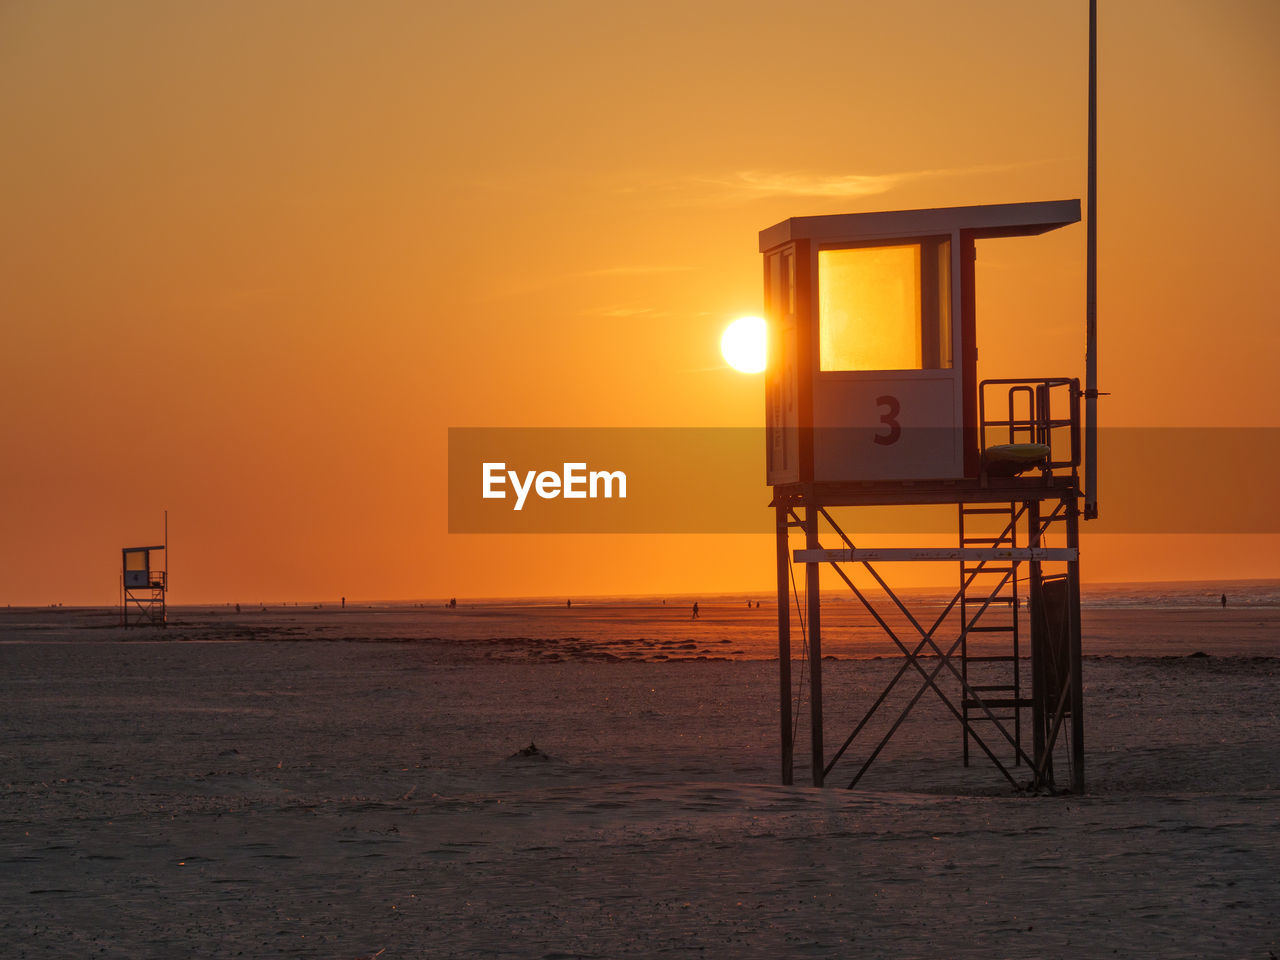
x=873 y=400
x=872 y=374
x=144 y=581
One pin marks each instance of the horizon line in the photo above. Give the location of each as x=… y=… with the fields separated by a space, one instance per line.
x=765 y=593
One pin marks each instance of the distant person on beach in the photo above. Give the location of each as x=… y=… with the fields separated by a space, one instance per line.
x=695 y=611
x=344 y=603
x=453 y=602
x=1224 y=601
x=237 y=608
x=568 y=604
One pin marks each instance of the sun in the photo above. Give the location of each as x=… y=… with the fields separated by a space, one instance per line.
x=744 y=344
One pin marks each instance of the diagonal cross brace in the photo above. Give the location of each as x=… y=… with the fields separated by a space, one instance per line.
x=912 y=661
x=965 y=687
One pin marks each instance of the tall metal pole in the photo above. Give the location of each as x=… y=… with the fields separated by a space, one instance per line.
x=784 y=643
x=1091 y=285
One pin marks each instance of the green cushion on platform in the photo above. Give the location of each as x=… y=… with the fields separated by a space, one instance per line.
x=1010 y=459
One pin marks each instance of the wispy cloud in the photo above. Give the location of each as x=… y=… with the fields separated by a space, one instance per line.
x=628 y=271
x=625 y=312
x=748 y=183
x=545 y=283
x=759 y=184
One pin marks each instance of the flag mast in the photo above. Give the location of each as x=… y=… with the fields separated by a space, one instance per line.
x=1091 y=285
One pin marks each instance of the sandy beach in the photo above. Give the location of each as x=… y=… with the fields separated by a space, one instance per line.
x=337 y=796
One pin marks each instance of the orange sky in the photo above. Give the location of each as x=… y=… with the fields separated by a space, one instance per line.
x=257 y=258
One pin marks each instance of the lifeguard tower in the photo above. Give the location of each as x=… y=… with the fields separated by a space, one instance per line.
x=872 y=400
x=144 y=583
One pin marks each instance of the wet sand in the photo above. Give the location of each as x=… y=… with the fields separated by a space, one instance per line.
x=643 y=631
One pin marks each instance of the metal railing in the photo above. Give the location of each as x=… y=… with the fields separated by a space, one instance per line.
x=1031 y=418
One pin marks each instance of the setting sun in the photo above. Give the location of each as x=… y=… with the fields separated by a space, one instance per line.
x=744 y=344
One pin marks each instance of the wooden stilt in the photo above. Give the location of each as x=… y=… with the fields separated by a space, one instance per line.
x=813 y=598
x=784 y=644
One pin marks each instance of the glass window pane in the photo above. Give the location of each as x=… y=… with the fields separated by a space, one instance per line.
x=869 y=308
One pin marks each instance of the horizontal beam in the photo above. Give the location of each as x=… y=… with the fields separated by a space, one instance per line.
x=895 y=554
x=898 y=493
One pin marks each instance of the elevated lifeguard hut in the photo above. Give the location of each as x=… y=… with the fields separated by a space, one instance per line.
x=872 y=400
x=144 y=583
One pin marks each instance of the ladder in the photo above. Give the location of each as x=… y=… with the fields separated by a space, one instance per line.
x=991 y=667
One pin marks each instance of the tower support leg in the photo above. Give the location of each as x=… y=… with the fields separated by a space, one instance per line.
x=813 y=598
x=1077 y=679
x=1042 y=698
x=783 y=517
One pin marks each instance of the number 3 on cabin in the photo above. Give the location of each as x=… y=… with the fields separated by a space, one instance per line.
x=890 y=419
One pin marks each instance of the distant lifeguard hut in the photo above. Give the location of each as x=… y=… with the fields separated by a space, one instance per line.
x=872 y=400
x=144 y=583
